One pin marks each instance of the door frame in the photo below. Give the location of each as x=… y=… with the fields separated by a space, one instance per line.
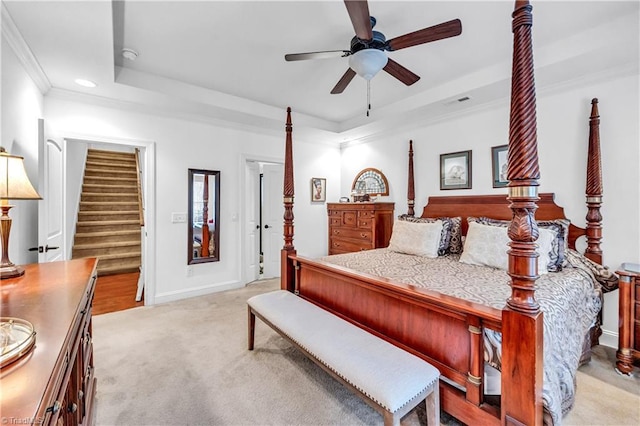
x=244 y=208
x=148 y=159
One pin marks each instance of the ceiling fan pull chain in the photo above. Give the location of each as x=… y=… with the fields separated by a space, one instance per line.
x=368 y=96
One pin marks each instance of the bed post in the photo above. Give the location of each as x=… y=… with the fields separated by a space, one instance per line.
x=287 y=281
x=411 y=192
x=522 y=319
x=594 y=187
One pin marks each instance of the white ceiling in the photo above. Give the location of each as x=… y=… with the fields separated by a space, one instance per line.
x=224 y=61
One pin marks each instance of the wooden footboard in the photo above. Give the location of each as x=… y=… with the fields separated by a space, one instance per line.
x=443 y=330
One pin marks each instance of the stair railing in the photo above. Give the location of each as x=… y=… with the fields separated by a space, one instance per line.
x=141 y=278
x=139 y=180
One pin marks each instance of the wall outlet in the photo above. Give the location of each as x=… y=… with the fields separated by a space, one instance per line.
x=178 y=217
x=189 y=271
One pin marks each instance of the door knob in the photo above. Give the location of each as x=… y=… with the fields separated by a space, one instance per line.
x=267 y=227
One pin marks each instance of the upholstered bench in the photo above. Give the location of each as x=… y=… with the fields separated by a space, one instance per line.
x=390 y=379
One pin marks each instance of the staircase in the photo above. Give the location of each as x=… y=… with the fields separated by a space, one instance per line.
x=109 y=216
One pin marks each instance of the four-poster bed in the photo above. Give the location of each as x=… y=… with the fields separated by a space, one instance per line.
x=446 y=330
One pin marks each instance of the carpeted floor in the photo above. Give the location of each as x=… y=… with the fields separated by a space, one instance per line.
x=186 y=363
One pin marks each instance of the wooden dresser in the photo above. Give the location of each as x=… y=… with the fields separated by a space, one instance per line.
x=359 y=226
x=629 y=322
x=54 y=383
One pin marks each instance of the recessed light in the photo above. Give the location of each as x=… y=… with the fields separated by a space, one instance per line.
x=85 y=83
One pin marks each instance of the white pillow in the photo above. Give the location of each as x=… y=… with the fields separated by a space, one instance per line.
x=420 y=239
x=487 y=245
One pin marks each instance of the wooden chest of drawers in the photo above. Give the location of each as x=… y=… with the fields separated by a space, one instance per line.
x=54 y=384
x=629 y=332
x=359 y=226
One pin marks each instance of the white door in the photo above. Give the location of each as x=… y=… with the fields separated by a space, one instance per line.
x=272 y=218
x=252 y=223
x=51 y=189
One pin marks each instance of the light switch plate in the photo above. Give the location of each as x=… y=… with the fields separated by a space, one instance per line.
x=178 y=217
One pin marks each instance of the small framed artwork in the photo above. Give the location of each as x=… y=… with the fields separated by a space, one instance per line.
x=455 y=170
x=499 y=165
x=318 y=190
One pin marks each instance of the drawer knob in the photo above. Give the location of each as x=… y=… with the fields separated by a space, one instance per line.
x=363 y=235
x=54 y=408
x=72 y=408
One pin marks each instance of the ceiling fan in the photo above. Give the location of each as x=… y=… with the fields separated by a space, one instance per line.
x=367 y=54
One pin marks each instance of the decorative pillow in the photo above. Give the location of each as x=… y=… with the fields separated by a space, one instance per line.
x=421 y=239
x=487 y=245
x=455 y=246
x=560 y=245
x=607 y=279
x=445 y=236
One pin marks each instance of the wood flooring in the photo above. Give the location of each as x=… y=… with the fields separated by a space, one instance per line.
x=116 y=293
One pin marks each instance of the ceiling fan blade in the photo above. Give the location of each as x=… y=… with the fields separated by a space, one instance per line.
x=344 y=82
x=359 y=14
x=400 y=72
x=426 y=35
x=326 y=54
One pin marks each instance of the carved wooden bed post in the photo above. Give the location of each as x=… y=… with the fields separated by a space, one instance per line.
x=522 y=332
x=287 y=280
x=594 y=188
x=411 y=192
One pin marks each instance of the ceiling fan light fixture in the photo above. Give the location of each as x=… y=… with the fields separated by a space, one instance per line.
x=368 y=62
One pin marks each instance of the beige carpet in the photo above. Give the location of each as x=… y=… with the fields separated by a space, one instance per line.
x=186 y=363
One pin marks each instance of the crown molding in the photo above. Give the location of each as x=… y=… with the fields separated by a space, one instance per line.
x=21 y=49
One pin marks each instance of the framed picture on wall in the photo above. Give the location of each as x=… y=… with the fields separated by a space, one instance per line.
x=455 y=170
x=499 y=165
x=318 y=190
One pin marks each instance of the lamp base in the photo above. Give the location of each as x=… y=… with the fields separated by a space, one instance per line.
x=10 y=271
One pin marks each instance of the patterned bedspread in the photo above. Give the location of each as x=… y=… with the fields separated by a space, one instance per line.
x=570 y=300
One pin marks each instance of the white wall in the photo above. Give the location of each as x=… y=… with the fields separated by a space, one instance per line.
x=75 y=153
x=182 y=144
x=22 y=106
x=563 y=128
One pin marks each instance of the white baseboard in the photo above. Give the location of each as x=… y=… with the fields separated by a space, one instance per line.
x=200 y=291
x=609 y=338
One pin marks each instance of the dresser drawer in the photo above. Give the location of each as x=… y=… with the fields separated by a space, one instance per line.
x=636 y=335
x=364 y=235
x=365 y=214
x=349 y=245
x=365 y=223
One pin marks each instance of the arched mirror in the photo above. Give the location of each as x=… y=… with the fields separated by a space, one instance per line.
x=204 y=216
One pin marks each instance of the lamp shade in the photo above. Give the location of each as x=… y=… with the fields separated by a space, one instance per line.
x=14 y=182
x=368 y=62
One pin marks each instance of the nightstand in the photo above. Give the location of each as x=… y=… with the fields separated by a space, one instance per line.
x=629 y=321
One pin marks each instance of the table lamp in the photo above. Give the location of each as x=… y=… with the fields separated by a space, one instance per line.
x=14 y=185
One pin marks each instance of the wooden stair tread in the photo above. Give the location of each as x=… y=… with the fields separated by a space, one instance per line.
x=107 y=152
x=110 y=194
x=114 y=179
x=110 y=203
x=119 y=255
x=94 y=186
x=106 y=245
x=107 y=233
x=108 y=222
x=108 y=212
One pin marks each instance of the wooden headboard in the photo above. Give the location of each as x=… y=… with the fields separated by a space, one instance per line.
x=495 y=207
x=498 y=206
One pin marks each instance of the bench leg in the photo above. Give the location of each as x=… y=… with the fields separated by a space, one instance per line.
x=433 y=406
x=252 y=328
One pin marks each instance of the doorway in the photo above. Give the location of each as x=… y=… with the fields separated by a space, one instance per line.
x=264 y=218
x=76 y=153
